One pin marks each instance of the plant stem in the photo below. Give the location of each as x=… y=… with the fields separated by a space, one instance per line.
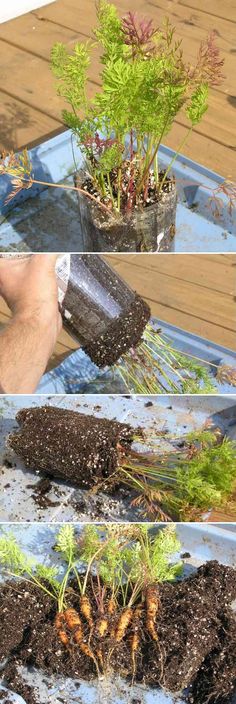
x=184 y=140
x=110 y=190
x=93 y=558
x=68 y=188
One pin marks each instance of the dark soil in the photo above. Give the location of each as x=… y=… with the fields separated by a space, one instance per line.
x=101 y=311
x=122 y=334
x=196 y=645
x=40 y=491
x=80 y=448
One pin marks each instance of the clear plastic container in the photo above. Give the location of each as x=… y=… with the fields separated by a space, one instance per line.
x=92 y=295
x=149 y=230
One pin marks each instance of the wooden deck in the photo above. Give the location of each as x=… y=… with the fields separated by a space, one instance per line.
x=194 y=292
x=30 y=110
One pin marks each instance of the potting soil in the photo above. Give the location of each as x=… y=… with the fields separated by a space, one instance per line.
x=194 y=654
x=122 y=334
x=77 y=447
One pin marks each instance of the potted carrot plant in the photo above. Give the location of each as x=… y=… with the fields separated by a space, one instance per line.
x=145 y=83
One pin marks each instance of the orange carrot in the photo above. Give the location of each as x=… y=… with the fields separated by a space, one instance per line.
x=135 y=636
x=111 y=606
x=102 y=626
x=86 y=609
x=84 y=647
x=152 y=605
x=134 y=645
x=73 y=619
x=59 y=623
x=59 y=619
x=63 y=637
x=123 y=623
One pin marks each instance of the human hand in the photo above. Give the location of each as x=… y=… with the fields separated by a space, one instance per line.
x=29 y=287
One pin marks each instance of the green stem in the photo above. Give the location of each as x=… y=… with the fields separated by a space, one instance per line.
x=93 y=558
x=110 y=191
x=184 y=140
x=61 y=598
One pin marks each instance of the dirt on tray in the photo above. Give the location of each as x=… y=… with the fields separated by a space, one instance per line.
x=195 y=647
x=80 y=448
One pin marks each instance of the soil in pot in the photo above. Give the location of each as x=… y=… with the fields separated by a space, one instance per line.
x=195 y=647
x=80 y=448
x=100 y=310
x=148 y=227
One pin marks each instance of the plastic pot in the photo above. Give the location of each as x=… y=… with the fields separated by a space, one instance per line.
x=98 y=308
x=149 y=230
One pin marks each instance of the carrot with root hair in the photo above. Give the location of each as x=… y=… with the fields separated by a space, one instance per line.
x=102 y=626
x=74 y=623
x=123 y=623
x=86 y=609
x=135 y=637
x=152 y=606
x=60 y=623
x=73 y=619
x=85 y=649
x=111 y=606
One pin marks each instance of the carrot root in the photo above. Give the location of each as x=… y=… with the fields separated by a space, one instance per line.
x=86 y=609
x=123 y=623
x=152 y=605
x=63 y=637
x=102 y=626
x=72 y=619
x=111 y=607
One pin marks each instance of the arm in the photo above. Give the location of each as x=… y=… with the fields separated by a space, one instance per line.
x=30 y=289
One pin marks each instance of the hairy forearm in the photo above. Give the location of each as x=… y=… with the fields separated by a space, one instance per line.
x=25 y=347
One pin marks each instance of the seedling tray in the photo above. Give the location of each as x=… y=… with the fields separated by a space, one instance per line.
x=78 y=374
x=47 y=219
x=176 y=414
x=203 y=542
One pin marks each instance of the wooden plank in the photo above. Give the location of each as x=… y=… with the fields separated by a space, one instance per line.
x=214 y=7
x=36 y=36
x=21 y=124
x=27 y=80
x=209 y=314
x=203 y=149
x=28 y=55
x=211 y=309
x=21 y=84
x=218 y=516
x=82 y=15
x=216 y=275
x=195 y=24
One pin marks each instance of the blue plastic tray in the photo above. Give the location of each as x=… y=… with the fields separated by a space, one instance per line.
x=77 y=374
x=204 y=542
x=177 y=414
x=46 y=219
